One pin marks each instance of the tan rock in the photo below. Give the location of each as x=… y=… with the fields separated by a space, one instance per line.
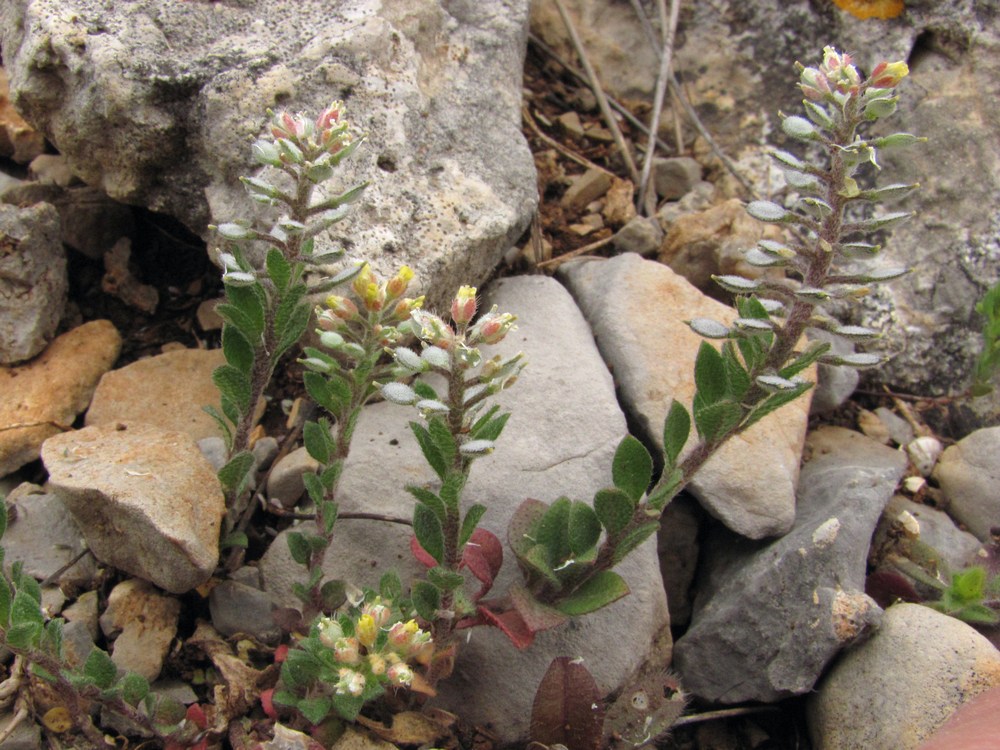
x=18 y=140
x=587 y=187
x=145 y=622
x=168 y=390
x=146 y=500
x=713 y=241
x=42 y=397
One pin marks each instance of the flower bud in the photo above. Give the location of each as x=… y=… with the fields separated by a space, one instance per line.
x=347 y=651
x=492 y=327
x=380 y=613
x=396 y=286
x=377 y=664
x=839 y=71
x=329 y=116
x=888 y=75
x=406 y=306
x=341 y=307
x=400 y=675
x=367 y=630
x=366 y=286
x=351 y=682
x=463 y=307
x=329 y=631
x=432 y=329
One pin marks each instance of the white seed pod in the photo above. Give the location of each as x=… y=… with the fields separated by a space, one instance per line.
x=777 y=384
x=399 y=393
x=477 y=448
x=754 y=325
x=800 y=128
x=859 y=360
x=767 y=211
x=924 y=453
x=755 y=257
x=409 y=359
x=708 y=328
x=436 y=357
x=856 y=333
x=432 y=406
x=736 y=284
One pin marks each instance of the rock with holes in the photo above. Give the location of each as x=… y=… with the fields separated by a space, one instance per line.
x=768 y=617
x=157 y=103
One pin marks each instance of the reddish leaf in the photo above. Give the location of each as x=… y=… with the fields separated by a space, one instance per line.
x=281 y=653
x=536 y=616
x=196 y=715
x=267 y=703
x=511 y=624
x=422 y=555
x=483 y=554
x=888 y=586
x=568 y=709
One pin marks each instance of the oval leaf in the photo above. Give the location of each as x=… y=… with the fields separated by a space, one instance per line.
x=632 y=468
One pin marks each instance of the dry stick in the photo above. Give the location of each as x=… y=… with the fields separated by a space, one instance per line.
x=722 y=713
x=568 y=153
x=559 y=260
x=7 y=731
x=669 y=31
x=595 y=86
x=615 y=104
x=644 y=22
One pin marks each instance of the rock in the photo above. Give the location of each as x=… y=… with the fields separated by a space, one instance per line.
x=641 y=235
x=675 y=177
x=77 y=643
x=208 y=318
x=52 y=169
x=43 y=397
x=713 y=241
x=33 y=281
x=768 y=617
x=654 y=363
x=43 y=536
x=18 y=140
x=924 y=452
x=834 y=385
x=168 y=391
x=89 y=221
x=900 y=431
x=678 y=547
x=585 y=188
x=968 y=473
x=564 y=427
x=147 y=501
x=119 y=282
x=84 y=612
x=285 y=485
x=895 y=690
x=27 y=735
x=700 y=198
x=159 y=105
x=954 y=549
x=238 y=608
x=143 y=623
x=619 y=203
x=971 y=727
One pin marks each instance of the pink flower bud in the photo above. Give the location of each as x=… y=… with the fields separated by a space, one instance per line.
x=491 y=328
x=888 y=75
x=379 y=612
x=350 y=682
x=396 y=286
x=329 y=116
x=463 y=307
x=341 y=307
x=432 y=329
x=400 y=675
x=406 y=306
x=347 y=650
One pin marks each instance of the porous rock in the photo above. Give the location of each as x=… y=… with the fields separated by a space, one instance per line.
x=33 y=280
x=768 y=617
x=143 y=623
x=564 y=427
x=43 y=396
x=968 y=474
x=168 y=390
x=146 y=500
x=637 y=310
x=896 y=689
x=156 y=104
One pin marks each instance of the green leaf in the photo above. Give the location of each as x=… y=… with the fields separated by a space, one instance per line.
x=53 y=637
x=425 y=390
x=245 y=310
x=815 y=350
x=134 y=688
x=318 y=440
x=583 y=528
x=443 y=439
x=614 y=509
x=390 y=587
x=716 y=420
x=633 y=539
x=429 y=499
x=426 y=600
x=332 y=392
x=100 y=669
x=666 y=491
x=968 y=585
x=599 y=591
x=710 y=375
x=427 y=528
x=237 y=349
x=676 y=429
x=222 y=423
x=537 y=558
x=773 y=402
x=24 y=636
x=5 y=602
x=314 y=487
x=632 y=467
x=291 y=319
x=330 y=511
x=299 y=547
x=470 y=522
x=736 y=376
x=235 y=472
x=429 y=448
x=451 y=490
x=347 y=706
x=552 y=530
x=25 y=609
x=233 y=385
x=444 y=579
x=300 y=669
x=235 y=539
x=315 y=709
x=278 y=268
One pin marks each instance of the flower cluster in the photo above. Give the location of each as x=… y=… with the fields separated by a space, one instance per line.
x=329 y=133
x=372 y=648
x=836 y=78
x=491 y=328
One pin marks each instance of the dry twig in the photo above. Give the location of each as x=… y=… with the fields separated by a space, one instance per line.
x=568 y=153
x=559 y=260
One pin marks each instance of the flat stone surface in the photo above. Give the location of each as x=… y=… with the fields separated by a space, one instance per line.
x=637 y=310
x=146 y=500
x=894 y=690
x=157 y=104
x=768 y=617
x=168 y=391
x=969 y=473
x=43 y=396
x=564 y=427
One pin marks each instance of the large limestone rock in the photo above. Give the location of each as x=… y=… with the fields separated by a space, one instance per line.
x=43 y=396
x=564 y=427
x=158 y=102
x=637 y=309
x=146 y=500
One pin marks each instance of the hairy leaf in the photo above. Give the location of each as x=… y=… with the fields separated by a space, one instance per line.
x=599 y=591
x=710 y=375
x=567 y=709
x=429 y=448
x=676 y=429
x=583 y=528
x=100 y=668
x=633 y=539
x=469 y=523
x=427 y=528
x=233 y=385
x=235 y=474
x=426 y=600
x=632 y=467
x=237 y=349
x=614 y=509
x=715 y=420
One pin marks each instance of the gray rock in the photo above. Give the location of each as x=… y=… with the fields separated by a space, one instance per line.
x=77 y=643
x=675 y=177
x=44 y=537
x=143 y=623
x=159 y=105
x=699 y=198
x=168 y=391
x=955 y=548
x=642 y=235
x=769 y=617
x=26 y=736
x=33 y=282
x=146 y=500
x=214 y=450
x=564 y=427
x=678 y=546
x=895 y=690
x=586 y=188
x=637 y=310
x=84 y=612
x=265 y=450
x=900 y=431
x=834 y=385
x=238 y=608
x=968 y=474
x=285 y=484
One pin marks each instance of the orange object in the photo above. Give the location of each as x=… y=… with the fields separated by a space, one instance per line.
x=871 y=8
